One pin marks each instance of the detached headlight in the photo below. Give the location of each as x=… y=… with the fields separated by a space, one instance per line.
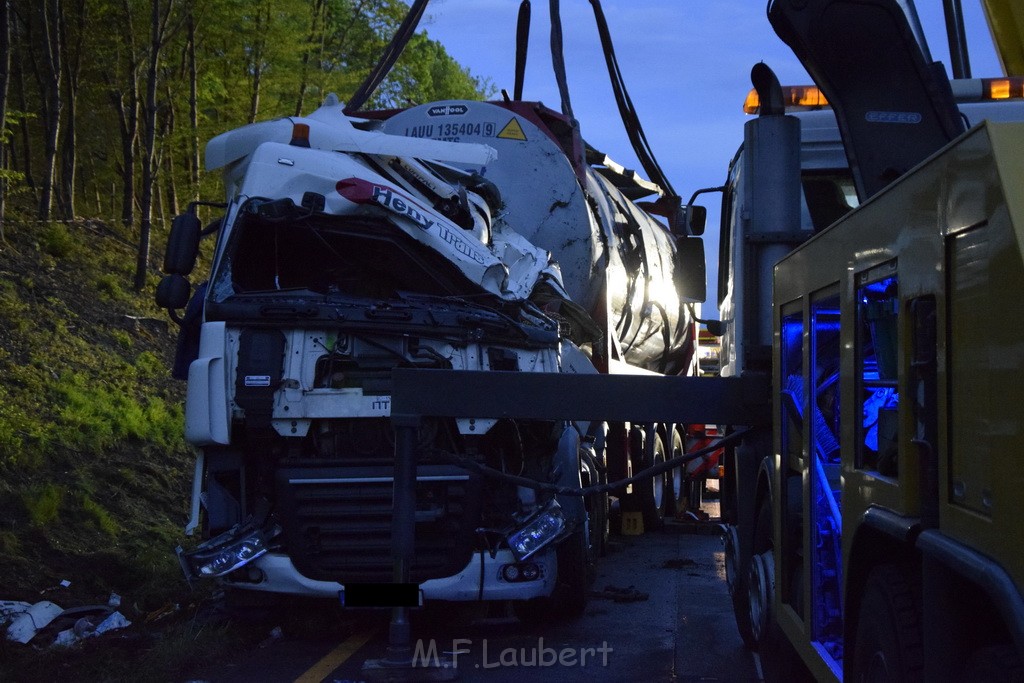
x=541 y=529
x=226 y=553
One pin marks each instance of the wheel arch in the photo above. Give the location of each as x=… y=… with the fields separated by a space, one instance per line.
x=871 y=547
x=982 y=604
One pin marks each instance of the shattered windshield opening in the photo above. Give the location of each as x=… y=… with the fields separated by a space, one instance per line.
x=352 y=256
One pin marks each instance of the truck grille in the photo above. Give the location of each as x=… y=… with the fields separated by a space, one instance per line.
x=337 y=521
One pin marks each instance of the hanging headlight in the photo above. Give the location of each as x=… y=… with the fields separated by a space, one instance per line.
x=540 y=530
x=225 y=553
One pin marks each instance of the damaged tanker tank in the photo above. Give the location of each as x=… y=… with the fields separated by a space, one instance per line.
x=459 y=236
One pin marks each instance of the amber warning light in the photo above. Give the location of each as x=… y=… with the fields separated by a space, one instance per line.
x=300 y=135
x=1002 y=88
x=803 y=97
x=793 y=96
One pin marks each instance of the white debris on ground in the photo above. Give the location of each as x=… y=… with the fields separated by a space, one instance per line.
x=24 y=621
x=86 y=628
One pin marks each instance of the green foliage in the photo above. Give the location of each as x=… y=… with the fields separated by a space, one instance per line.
x=254 y=60
x=96 y=413
x=122 y=339
x=150 y=366
x=56 y=240
x=43 y=504
x=97 y=515
x=111 y=287
x=12 y=308
x=9 y=542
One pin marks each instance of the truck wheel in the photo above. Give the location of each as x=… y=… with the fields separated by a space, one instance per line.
x=675 y=479
x=888 y=643
x=736 y=579
x=780 y=661
x=576 y=573
x=597 y=510
x=651 y=492
x=761 y=576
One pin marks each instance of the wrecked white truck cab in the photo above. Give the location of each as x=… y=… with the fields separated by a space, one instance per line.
x=350 y=247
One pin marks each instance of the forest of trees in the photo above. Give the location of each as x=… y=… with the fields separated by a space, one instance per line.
x=108 y=103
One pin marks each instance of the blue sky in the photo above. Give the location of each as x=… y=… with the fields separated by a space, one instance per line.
x=686 y=64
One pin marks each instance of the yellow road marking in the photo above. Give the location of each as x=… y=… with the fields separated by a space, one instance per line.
x=336 y=657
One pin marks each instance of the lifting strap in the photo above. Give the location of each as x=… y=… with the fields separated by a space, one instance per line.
x=388 y=58
x=627 y=111
x=522 y=44
x=558 y=59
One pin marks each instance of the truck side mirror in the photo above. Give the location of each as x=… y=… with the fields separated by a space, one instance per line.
x=696 y=218
x=688 y=219
x=172 y=292
x=690 y=275
x=182 y=245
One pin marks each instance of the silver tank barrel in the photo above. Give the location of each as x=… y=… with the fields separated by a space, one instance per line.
x=602 y=242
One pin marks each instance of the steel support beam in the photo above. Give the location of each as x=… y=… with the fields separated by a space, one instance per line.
x=596 y=397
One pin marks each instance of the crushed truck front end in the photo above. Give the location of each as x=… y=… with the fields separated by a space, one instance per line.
x=337 y=262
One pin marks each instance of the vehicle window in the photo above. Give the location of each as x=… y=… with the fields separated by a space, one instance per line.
x=877 y=367
x=828 y=197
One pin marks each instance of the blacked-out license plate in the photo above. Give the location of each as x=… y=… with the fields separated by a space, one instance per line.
x=381 y=595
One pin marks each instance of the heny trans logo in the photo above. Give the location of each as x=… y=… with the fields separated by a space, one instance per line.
x=428 y=653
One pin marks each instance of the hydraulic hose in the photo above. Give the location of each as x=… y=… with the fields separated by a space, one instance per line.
x=491 y=473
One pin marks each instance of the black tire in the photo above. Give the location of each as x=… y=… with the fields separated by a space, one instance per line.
x=780 y=662
x=675 y=479
x=740 y=581
x=598 y=510
x=576 y=573
x=888 y=643
x=651 y=492
x=736 y=577
x=763 y=543
x=600 y=524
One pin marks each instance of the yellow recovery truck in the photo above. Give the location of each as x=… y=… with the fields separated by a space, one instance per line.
x=875 y=531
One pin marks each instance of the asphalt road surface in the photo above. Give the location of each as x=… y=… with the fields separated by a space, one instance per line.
x=672 y=622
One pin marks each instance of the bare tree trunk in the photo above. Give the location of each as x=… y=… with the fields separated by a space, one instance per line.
x=72 y=64
x=340 y=45
x=50 y=86
x=96 y=187
x=127 y=108
x=158 y=203
x=170 y=192
x=257 y=63
x=5 y=77
x=314 y=49
x=193 y=103
x=124 y=98
x=26 y=138
x=158 y=37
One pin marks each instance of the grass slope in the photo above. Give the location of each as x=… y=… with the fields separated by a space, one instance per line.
x=94 y=472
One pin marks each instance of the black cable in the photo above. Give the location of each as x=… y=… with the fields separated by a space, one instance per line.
x=388 y=58
x=558 y=59
x=522 y=45
x=491 y=473
x=627 y=111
